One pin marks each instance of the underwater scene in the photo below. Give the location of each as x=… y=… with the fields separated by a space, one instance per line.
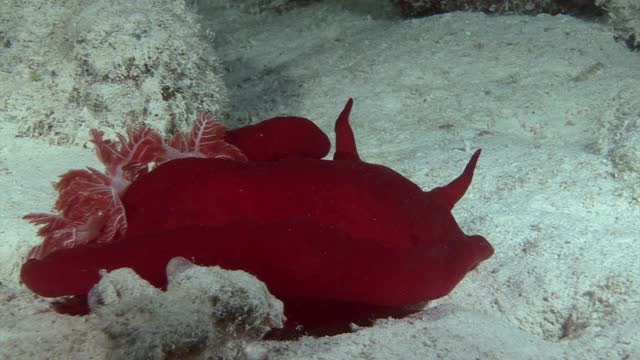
x=319 y=179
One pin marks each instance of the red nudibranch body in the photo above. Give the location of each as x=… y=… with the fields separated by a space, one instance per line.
x=336 y=240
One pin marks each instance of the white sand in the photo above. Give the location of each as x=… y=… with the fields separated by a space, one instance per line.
x=553 y=102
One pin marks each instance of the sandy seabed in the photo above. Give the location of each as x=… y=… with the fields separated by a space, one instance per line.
x=554 y=103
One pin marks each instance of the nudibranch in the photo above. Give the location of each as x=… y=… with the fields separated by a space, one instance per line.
x=337 y=241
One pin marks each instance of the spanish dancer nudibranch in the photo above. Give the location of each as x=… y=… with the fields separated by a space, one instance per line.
x=338 y=241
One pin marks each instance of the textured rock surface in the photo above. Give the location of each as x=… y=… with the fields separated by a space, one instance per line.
x=68 y=66
x=430 y=7
x=205 y=310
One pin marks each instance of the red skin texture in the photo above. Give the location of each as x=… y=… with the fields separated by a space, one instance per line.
x=280 y=138
x=339 y=232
